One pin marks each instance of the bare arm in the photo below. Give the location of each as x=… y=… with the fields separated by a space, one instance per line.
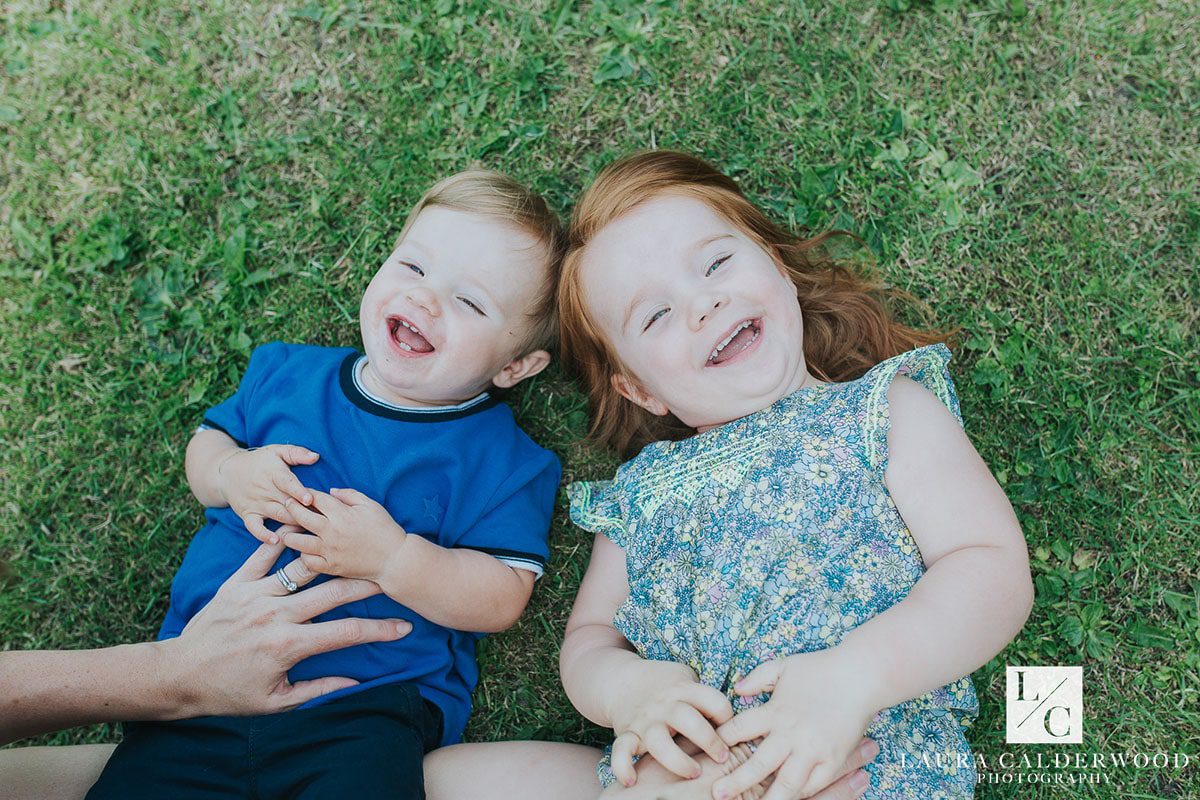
x=206 y=451
x=459 y=588
x=646 y=703
x=45 y=690
x=232 y=658
x=976 y=593
x=354 y=536
x=593 y=652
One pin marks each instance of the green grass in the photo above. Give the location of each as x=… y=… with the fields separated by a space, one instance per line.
x=176 y=188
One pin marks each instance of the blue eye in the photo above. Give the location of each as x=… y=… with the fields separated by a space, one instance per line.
x=654 y=318
x=414 y=268
x=473 y=307
x=716 y=265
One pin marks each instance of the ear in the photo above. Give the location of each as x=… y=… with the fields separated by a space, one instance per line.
x=632 y=391
x=521 y=368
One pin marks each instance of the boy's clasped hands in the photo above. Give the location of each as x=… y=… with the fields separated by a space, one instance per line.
x=350 y=534
x=342 y=532
x=801 y=737
x=257 y=483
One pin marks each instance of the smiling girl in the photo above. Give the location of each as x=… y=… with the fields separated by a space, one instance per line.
x=806 y=546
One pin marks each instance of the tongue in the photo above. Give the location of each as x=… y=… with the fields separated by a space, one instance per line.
x=416 y=341
x=737 y=344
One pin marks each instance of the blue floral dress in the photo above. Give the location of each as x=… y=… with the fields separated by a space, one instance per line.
x=774 y=534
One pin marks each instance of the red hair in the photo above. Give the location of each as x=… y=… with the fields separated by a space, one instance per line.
x=848 y=327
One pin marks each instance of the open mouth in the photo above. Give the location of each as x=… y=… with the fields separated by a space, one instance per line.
x=407 y=337
x=737 y=341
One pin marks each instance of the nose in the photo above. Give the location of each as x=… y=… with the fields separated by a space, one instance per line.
x=426 y=299
x=705 y=305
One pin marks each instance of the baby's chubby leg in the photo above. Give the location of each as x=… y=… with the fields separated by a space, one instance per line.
x=51 y=773
x=504 y=770
x=486 y=771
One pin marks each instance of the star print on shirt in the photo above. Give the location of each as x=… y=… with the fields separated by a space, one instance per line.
x=433 y=509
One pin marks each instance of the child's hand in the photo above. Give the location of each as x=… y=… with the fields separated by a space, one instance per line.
x=813 y=722
x=354 y=536
x=256 y=483
x=662 y=699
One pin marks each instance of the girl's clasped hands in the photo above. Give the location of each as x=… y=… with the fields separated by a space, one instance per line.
x=813 y=721
x=664 y=699
x=802 y=737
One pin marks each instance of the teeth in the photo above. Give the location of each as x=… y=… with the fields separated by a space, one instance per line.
x=396 y=323
x=728 y=339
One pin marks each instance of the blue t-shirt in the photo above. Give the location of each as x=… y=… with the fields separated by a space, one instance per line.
x=459 y=476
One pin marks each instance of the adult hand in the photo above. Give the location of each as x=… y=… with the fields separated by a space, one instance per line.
x=233 y=656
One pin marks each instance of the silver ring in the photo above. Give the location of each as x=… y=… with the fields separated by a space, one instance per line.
x=287 y=582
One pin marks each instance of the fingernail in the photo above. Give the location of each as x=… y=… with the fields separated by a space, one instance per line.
x=403 y=628
x=723 y=757
x=723 y=795
x=860 y=781
x=274 y=540
x=869 y=750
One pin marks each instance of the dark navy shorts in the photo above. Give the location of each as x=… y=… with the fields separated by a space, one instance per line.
x=365 y=745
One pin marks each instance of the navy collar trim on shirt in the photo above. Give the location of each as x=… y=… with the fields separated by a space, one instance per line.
x=356 y=395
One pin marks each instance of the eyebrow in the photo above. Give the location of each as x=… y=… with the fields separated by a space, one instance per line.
x=415 y=244
x=703 y=243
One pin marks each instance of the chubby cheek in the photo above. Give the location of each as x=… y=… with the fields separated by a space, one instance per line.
x=785 y=307
x=645 y=361
x=678 y=355
x=370 y=321
x=372 y=301
x=665 y=374
x=365 y=318
x=494 y=345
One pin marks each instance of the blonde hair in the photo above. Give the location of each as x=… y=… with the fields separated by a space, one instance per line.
x=492 y=194
x=848 y=327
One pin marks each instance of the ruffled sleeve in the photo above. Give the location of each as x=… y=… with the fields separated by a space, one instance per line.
x=928 y=366
x=601 y=507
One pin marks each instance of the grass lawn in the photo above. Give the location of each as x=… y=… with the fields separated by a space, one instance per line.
x=177 y=187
